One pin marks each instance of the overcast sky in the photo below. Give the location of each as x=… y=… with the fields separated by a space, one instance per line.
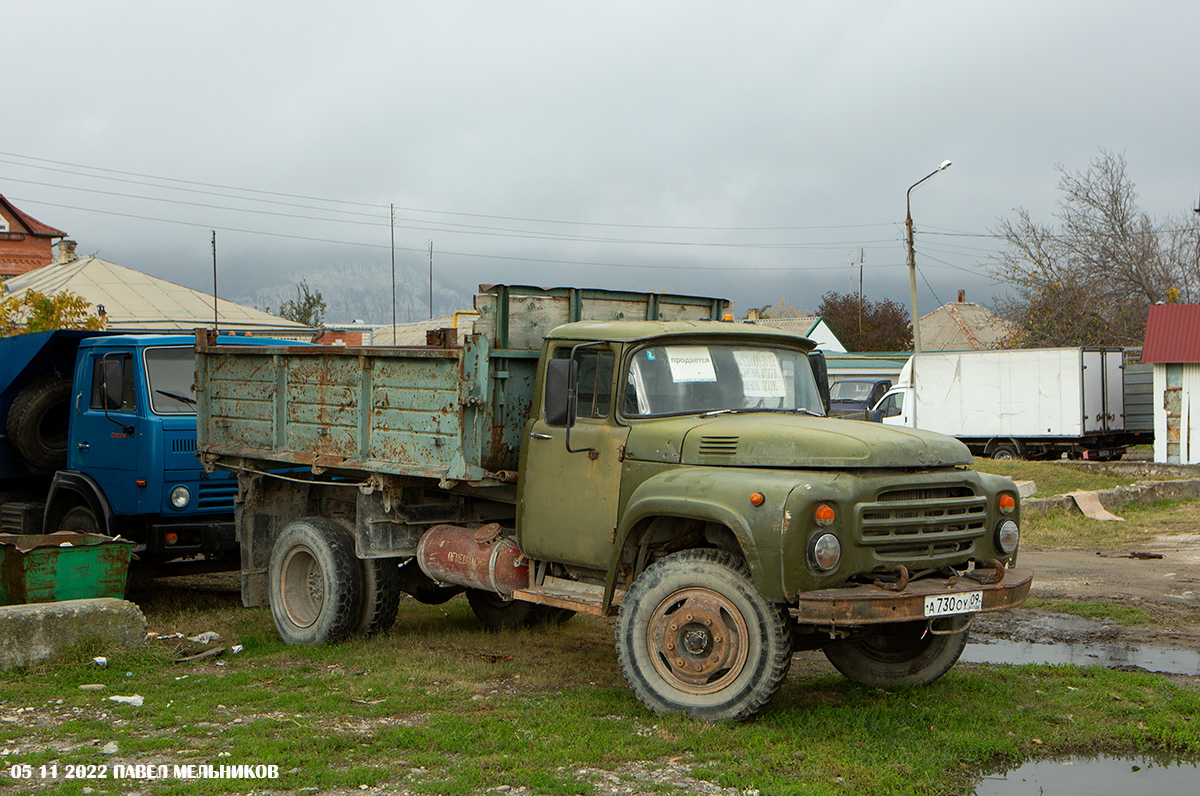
x=748 y=150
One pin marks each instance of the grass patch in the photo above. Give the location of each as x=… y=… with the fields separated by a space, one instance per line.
x=1142 y=522
x=437 y=706
x=1094 y=609
x=1063 y=476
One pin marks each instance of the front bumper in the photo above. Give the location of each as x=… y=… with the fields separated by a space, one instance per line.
x=869 y=604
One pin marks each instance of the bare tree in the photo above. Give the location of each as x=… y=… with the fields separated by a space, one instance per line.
x=1089 y=278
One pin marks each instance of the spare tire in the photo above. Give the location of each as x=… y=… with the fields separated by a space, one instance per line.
x=37 y=422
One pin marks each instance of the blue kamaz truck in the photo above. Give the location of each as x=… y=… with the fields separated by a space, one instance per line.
x=99 y=436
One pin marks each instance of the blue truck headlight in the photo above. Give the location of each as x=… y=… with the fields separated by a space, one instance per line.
x=824 y=552
x=180 y=497
x=1007 y=537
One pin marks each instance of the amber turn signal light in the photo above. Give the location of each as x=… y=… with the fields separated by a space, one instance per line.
x=757 y=499
x=1008 y=503
x=824 y=515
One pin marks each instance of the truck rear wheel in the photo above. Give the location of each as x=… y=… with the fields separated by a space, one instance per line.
x=315 y=583
x=694 y=636
x=381 y=595
x=497 y=613
x=37 y=422
x=902 y=654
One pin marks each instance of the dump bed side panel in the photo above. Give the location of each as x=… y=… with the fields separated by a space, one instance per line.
x=429 y=412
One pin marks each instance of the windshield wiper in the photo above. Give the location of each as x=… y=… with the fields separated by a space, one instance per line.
x=754 y=409
x=178 y=397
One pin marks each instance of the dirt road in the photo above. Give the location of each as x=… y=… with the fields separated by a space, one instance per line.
x=1160 y=575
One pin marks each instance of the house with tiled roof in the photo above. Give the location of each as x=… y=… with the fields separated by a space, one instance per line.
x=963 y=326
x=1172 y=346
x=25 y=242
x=132 y=301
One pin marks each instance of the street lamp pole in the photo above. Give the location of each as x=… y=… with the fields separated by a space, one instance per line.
x=912 y=260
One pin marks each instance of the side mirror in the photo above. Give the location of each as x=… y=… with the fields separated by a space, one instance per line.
x=561 y=375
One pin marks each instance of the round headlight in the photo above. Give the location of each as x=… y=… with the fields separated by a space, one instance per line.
x=1007 y=537
x=180 y=497
x=825 y=552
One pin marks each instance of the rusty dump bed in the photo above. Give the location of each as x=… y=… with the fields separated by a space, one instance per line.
x=452 y=412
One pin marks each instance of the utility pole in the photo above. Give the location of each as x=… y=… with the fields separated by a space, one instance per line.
x=214 y=247
x=393 y=226
x=912 y=260
x=431 y=280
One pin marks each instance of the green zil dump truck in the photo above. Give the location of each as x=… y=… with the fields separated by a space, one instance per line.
x=618 y=454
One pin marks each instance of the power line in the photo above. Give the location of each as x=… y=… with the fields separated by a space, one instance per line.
x=382 y=207
x=423 y=250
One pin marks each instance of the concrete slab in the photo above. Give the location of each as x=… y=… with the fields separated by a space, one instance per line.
x=33 y=633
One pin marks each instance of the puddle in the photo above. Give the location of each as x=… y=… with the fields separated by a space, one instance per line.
x=1100 y=776
x=1168 y=660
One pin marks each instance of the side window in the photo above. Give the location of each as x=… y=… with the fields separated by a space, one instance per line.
x=593 y=381
x=893 y=405
x=112 y=383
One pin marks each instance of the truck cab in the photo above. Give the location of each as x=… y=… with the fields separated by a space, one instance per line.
x=102 y=439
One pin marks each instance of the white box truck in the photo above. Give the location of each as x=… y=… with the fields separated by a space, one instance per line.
x=1024 y=403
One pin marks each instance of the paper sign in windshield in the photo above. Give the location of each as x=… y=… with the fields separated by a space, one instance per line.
x=690 y=363
x=761 y=375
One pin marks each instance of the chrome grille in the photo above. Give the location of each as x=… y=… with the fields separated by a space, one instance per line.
x=922 y=522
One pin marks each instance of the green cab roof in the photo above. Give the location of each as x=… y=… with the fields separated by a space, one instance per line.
x=634 y=331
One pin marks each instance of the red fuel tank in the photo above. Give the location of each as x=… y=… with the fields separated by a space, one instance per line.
x=478 y=558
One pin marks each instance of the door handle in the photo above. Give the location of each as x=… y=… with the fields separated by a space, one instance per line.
x=83 y=446
x=539 y=435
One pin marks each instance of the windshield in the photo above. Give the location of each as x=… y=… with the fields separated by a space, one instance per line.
x=688 y=379
x=851 y=390
x=170 y=373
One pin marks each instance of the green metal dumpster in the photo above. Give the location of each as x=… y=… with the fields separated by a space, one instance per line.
x=61 y=566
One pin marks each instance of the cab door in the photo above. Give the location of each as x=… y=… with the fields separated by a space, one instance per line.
x=568 y=501
x=105 y=444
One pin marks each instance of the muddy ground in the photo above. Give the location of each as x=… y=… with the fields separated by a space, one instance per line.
x=1161 y=576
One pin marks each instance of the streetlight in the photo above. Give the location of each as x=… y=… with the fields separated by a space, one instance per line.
x=912 y=262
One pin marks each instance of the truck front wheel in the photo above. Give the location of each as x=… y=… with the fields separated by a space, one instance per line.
x=315 y=583
x=903 y=654
x=694 y=636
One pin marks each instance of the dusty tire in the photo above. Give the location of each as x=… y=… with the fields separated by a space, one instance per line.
x=315 y=583
x=80 y=519
x=727 y=657
x=497 y=613
x=1005 y=453
x=897 y=655
x=381 y=595
x=37 y=422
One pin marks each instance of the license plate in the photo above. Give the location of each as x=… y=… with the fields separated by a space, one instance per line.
x=948 y=604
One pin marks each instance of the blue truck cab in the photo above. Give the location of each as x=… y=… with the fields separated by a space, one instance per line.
x=101 y=438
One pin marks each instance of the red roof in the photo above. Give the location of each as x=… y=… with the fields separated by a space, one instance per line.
x=34 y=226
x=1172 y=333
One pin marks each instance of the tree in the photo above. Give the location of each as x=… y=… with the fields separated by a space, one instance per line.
x=865 y=325
x=36 y=312
x=1089 y=278
x=308 y=308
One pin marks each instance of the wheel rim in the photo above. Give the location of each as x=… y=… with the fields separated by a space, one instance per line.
x=302 y=585
x=697 y=640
